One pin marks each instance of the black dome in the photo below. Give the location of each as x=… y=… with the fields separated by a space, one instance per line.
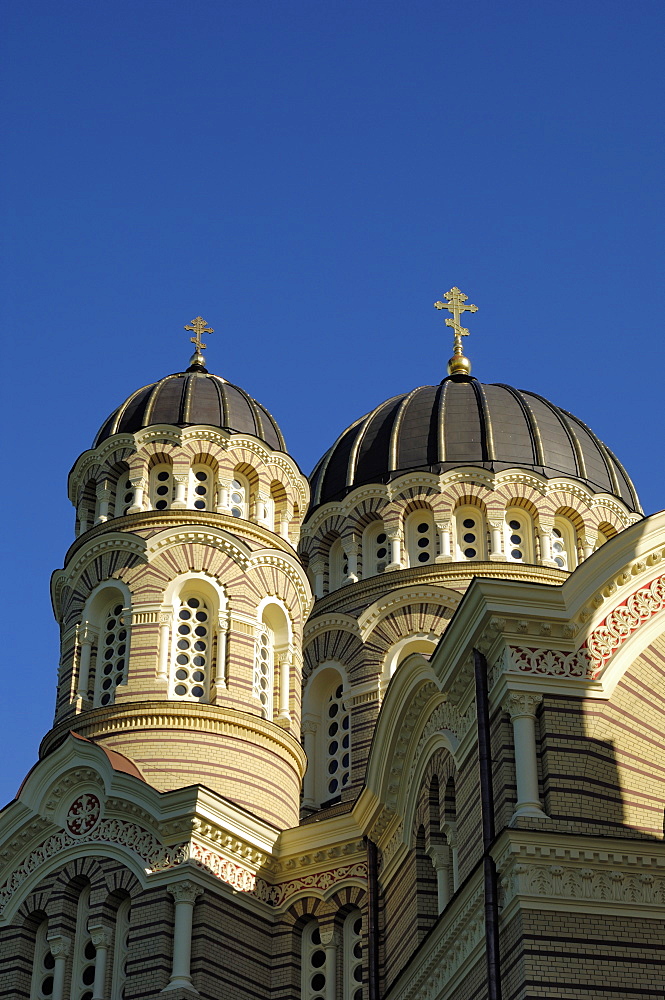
x=194 y=397
x=463 y=422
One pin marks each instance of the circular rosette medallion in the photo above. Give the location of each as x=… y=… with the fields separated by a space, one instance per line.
x=83 y=814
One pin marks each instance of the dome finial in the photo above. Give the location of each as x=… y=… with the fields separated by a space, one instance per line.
x=458 y=364
x=198 y=326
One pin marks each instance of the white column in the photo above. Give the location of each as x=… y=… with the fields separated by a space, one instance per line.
x=184 y=894
x=308 y=730
x=587 y=547
x=179 y=500
x=318 y=569
x=351 y=551
x=284 y=524
x=60 y=946
x=138 y=485
x=395 y=540
x=495 y=542
x=329 y=942
x=451 y=837
x=165 y=624
x=440 y=855
x=223 y=486
x=101 y=938
x=545 y=546
x=103 y=499
x=220 y=668
x=444 y=542
x=285 y=686
x=86 y=637
x=522 y=706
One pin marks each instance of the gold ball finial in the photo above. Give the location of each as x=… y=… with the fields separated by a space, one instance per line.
x=459 y=365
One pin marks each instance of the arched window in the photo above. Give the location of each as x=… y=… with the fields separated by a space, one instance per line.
x=124 y=495
x=420 y=642
x=264 y=668
x=376 y=549
x=564 y=547
x=353 y=956
x=313 y=963
x=239 y=497
x=518 y=535
x=337 y=744
x=420 y=538
x=83 y=963
x=112 y=654
x=470 y=533
x=338 y=565
x=86 y=508
x=192 y=647
x=279 y=505
x=272 y=659
x=120 y=948
x=327 y=732
x=41 y=987
x=161 y=487
x=201 y=488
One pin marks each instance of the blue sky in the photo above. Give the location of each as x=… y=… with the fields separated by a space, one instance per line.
x=310 y=177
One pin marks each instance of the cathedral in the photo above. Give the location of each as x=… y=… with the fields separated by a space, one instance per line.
x=390 y=732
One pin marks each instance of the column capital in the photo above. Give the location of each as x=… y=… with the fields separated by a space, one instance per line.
x=329 y=936
x=165 y=617
x=440 y=855
x=307 y=726
x=522 y=704
x=59 y=944
x=87 y=633
x=101 y=937
x=185 y=891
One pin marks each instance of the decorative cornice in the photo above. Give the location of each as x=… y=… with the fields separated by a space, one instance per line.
x=315 y=884
x=150 y=716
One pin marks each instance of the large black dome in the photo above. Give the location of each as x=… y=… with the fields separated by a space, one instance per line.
x=463 y=422
x=193 y=397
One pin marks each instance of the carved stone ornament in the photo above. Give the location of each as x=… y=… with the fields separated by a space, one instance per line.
x=547 y=662
x=101 y=937
x=623 y=621
x=185 y=891
x=565 y=881
x=83 y=815
x=522 y=703
x=60 y=945
x=318 y=882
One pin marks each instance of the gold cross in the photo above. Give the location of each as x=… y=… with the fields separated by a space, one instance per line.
x=198 y=326
x=455 y=304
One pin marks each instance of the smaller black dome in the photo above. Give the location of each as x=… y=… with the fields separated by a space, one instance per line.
x=460 y=422
x=193 y=397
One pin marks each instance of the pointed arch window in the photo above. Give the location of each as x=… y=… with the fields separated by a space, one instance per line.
x=192 y=645
x=420 y=538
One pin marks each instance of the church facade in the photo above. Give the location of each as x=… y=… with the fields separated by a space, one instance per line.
x=395 y=731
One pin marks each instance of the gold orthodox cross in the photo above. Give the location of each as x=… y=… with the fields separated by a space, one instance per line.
x=198 y=326
x=455 y=303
